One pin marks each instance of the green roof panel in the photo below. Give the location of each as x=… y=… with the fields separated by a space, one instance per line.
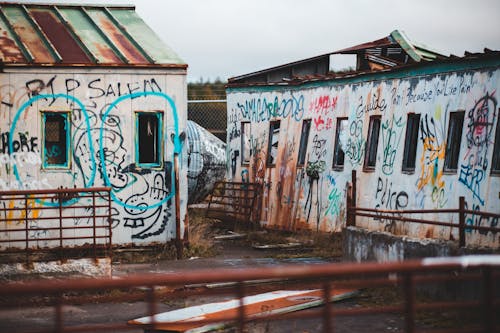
x=150 y=43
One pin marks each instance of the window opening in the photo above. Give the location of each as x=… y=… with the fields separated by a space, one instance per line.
x=56 y=133
x=453 y=140
x=371 y=147
x=411 y=141
x=272 y=148
x=304 y=138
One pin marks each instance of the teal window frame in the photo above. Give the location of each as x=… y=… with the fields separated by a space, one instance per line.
x=140 y=147
x=65 y=131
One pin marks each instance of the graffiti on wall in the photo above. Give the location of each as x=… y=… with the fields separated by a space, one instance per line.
x=262 y=109
x=479 y=137
x=432 y=135
x=99 y=149
x=391 y=138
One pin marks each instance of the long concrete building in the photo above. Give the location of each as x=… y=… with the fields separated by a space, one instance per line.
x=419 y=127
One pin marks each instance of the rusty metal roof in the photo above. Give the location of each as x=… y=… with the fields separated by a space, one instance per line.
x=86 y=35
x=392 y=51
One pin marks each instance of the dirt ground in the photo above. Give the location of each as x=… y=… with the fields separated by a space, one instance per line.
x=206 y=251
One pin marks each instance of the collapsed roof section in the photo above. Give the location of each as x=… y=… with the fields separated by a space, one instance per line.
x=80 y=35
x=394 y=50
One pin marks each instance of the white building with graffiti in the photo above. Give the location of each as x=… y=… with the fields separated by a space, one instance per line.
x=89 y=97
x=420 y=128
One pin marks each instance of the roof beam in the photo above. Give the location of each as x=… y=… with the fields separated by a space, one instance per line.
x=129 y=36
x=74 y=35
x=105 y=36
x=26 y=53
x=57 y=57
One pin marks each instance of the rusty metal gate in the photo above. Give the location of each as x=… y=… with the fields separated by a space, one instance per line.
x=55 y=224
x=236 y=201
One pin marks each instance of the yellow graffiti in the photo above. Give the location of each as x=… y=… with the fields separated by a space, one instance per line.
x=430 y=173
x=18 y=214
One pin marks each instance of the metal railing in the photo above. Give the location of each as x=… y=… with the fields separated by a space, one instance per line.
x=481 y=272
x=399 y=215
x=235 y=200
x=66 y=222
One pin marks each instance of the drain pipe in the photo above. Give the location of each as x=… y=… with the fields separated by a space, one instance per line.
x=178 y=238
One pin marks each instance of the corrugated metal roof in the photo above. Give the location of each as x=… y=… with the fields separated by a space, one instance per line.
x=93 y=35
x=391 y=51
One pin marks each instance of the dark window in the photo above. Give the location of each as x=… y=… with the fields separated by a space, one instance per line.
x=495 y=164
x=304 y=138
x=245 y=143
x=272 y=148
x=453 y=141
x=411 y=139
x=56 y=133
x=372 y=143
x=149 y=138
x=338 y=152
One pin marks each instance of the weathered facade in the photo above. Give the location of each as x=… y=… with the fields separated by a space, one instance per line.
x=90 y=96
x=419 y=133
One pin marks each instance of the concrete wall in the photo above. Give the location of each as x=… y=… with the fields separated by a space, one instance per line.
x=293 y=200
x=102 y=105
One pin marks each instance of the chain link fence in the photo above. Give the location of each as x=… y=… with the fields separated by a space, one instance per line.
x=209 y=114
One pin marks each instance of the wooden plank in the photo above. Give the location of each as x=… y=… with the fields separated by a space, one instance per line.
x=275 y=302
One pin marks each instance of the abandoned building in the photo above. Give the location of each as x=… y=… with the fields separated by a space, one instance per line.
x=91 y=97
x=419 y=128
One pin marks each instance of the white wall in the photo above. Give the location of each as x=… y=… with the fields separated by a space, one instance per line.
x=143 y=205
x=292 y=201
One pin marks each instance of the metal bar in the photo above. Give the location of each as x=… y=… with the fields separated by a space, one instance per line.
x=327 y=309
x=461 y=222
x=94 y=223
x=240 y=287
x=201 y=101
x=125 y=32
x=73 y=34
x=110 y=230
x=488 y=300
x=178 y=238
x=409 y=291
x=354 y=195
x=24 y=50
x=104 y=36
x=57 y=57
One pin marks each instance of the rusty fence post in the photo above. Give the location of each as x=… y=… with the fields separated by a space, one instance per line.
x=327 y=309
x=409 y=291
x=110 y=225
x=240 y=289
x=461 y=221
x=60 y=199
x=26 y=228
x=353 y=198
x=94 y=224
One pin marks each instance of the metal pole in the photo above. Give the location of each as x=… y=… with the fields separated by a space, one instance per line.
x=409 y=291
x=353 y=199
x=461 y=222
x=178 y=238
x=94 y=223
x=327 y=310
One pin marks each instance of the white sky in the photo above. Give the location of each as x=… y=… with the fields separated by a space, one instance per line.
x=225 y=38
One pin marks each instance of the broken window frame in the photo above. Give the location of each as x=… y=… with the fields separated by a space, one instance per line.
x=495 y=160
x=304 y=139
x=155 y=160
x=371 y=149
x=64 y=134
x=338 y=153
x=411 y=143
x=246 y=147
x=453 y=141
x=273 y=143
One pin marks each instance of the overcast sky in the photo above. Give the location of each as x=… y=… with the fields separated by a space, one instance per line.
x=225 y=38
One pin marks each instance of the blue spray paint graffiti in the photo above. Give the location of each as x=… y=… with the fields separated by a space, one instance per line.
x=176 y=140
x=89 y=138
